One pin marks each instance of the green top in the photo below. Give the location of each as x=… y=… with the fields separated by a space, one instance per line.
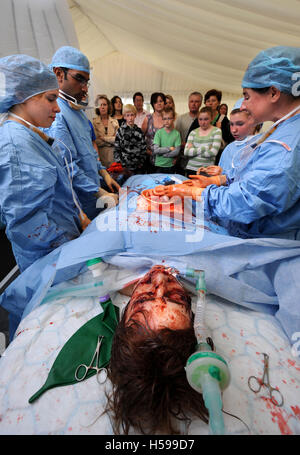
x=164 y=139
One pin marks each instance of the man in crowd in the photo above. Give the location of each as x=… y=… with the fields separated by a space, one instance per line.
x=138 y=101
x=183 y=124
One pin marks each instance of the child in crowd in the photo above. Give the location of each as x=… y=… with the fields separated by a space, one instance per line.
x=242 y=129
x=203 y=143
x=130 y=145
x=166 y=143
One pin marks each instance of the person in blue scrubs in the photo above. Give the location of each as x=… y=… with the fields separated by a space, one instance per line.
x=36 y=198
x=263 y=197
x=72 y=130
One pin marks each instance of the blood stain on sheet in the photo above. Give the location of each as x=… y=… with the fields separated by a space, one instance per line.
x=250 y=343
x=282 y=423
x=279 y=416
x=293 y=363
x=225 y=336
x=296 y=411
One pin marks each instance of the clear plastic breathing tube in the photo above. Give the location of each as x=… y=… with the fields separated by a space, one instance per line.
x=201 y=330
x=101 y=279
x=207 y=372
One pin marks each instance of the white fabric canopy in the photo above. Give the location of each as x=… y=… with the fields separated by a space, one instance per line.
x=174 y=46
x=35 y=27
x=178 y=46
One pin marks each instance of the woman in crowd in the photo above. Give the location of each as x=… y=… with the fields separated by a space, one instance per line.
x=151 y=124
x=213 y=99
x=170 y=102
x=117 y=109
x=223 y=109
x=105 y=129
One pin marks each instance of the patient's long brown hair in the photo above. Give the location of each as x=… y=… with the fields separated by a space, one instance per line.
x=150 y=391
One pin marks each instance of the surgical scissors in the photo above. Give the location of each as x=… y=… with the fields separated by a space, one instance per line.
x=255 y=384
x=91 y=367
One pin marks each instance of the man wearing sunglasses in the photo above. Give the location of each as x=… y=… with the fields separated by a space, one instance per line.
x=72 y=131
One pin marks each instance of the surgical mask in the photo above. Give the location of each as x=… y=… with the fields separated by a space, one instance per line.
x=73 y=103
x=33 y=128
x=240 y=160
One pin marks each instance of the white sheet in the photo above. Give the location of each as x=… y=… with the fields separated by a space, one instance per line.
x=240 y=336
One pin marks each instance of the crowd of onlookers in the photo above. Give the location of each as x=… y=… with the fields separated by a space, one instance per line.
x=130 y=140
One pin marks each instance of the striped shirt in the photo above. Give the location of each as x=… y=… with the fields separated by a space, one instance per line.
x=202 y=150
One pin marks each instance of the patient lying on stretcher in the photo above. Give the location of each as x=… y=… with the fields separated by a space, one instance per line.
x=151 y=345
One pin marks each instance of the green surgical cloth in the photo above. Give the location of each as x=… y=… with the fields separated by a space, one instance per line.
x=80 y=348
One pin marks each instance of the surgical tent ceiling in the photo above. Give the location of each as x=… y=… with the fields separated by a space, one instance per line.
x=170 y=45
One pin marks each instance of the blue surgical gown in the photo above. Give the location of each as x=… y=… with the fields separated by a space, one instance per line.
x=35 y=195
x=263 y=197
x=72 y=130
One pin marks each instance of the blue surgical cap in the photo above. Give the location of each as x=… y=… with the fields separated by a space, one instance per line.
x=22 y=77
x=70 y=57
x=273 y=67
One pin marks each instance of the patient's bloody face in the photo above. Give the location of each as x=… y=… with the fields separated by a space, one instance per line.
x=159 y=301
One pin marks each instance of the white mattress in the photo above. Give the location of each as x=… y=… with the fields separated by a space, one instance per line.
x=240 y=336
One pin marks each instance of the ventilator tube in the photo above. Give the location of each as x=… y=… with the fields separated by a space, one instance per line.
x=201 y=330
x=207 y=372
x=100 y=279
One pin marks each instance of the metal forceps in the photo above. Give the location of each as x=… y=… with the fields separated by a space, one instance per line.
x=255 y=384
x=91 y=366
